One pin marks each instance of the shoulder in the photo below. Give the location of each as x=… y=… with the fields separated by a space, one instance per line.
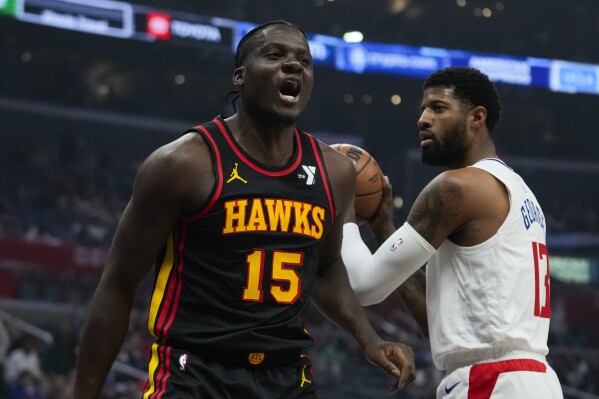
x=336 y=162
x=178 y=168
x=188 y=150
x=341 y=173
x=460 y=195
x=461 y=184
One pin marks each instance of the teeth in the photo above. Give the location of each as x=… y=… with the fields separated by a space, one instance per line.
x=288 y=97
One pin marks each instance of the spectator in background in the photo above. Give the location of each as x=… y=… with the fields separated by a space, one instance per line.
x=25 y=357
x=27 y=386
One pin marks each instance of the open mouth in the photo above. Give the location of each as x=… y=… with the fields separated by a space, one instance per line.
x=290 y=89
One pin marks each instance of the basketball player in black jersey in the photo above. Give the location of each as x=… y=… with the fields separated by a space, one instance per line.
x=242 y=218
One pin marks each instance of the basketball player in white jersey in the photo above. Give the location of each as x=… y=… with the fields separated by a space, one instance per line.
x=484 y=300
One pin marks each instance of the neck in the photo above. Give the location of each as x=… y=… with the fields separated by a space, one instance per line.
x=268 y=143
x=475 y=154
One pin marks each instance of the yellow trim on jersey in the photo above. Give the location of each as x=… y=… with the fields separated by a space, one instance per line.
x=304 y=379
x=160 y=289
x=154 y=362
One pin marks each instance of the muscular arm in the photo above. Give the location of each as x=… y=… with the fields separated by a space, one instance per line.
x=412 y=292
x=437 y=213
x=466 y=206
x=161 y=194
x=333 y=295
x=439 y=209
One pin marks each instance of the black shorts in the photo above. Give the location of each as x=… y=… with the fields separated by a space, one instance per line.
x=175 y=374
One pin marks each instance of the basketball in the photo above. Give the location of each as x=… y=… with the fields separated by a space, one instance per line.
x=369 y=181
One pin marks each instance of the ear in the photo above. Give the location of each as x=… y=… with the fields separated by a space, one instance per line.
x=238 y=76
x=477 y=118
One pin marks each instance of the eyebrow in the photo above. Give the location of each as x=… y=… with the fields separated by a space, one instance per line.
x=286 y=47
x=436 y=101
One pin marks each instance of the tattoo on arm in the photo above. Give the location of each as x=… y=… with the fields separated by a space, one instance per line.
x=426 y=218
x=438 y=202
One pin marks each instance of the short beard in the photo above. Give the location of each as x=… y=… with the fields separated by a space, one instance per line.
x=446 y=151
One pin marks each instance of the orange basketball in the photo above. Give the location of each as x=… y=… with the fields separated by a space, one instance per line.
x=369 y=181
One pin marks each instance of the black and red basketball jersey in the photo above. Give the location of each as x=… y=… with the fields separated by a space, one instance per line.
x=238 y=274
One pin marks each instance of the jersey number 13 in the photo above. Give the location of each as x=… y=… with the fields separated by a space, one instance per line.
x=542 y=291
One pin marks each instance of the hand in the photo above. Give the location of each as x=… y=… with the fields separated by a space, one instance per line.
x=381 y=223
x=395 y=358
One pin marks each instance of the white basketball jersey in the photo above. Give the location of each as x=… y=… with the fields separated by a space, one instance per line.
x=491 y=300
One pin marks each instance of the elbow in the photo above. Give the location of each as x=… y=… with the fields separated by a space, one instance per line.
x=367 y=297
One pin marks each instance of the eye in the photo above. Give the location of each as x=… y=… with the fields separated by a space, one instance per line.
x=275 y=54
x=305 y=60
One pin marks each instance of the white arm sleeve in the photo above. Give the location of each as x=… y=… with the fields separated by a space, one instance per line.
x=374 y=277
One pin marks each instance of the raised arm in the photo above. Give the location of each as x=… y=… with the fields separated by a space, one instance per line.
x=412 y=292
x=162 y=192
x=437 y=213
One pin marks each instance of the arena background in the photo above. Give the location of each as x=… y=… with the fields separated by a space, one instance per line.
x=89 y=89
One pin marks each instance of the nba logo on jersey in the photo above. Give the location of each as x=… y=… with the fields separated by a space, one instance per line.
x=396 y=245
x=183 y=361
x=256 y=358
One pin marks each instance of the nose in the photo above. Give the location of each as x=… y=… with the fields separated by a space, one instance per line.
x=424 y=121
x=292 y=64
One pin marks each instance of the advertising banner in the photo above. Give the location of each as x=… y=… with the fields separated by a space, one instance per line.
x=101 y=17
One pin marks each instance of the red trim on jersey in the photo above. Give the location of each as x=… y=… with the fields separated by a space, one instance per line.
x=323 y=174
x=219 y=187
x=251 y=164
x=483 y=376
x=161 y=373
x=179 y=282
x=165 y=372
x=171 y=301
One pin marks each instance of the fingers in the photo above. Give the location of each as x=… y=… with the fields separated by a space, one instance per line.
x=403 y=358
x=398 y=360
x=387 y=187
x=403 y=377
x=392 y=369
x=394 y=388
x=397 y=386
x=407 y=375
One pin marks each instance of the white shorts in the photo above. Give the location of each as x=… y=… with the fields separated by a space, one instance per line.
x=505 y=379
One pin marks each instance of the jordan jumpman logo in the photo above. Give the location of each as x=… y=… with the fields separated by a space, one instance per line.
x=235 y=175
x=304 y=379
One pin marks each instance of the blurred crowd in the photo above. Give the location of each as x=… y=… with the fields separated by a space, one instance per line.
x=67 y=191
x=32 y=369
x=63 y=191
